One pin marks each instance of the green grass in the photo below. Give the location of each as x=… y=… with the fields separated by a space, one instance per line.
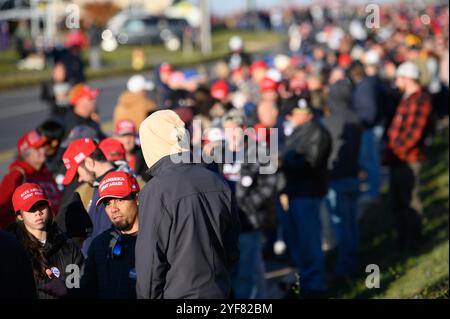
x=119 y=61
x=423 y=273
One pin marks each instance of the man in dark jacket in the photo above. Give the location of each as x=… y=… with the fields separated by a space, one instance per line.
x=84 y=158
x=84 y=110
x=254 y=190
x=345 y=129
x=369 y=100
x=304 y=163
x=109 y=271
x=188 y=238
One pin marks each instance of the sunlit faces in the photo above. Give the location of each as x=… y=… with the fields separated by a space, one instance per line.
x=35 y=157
x=122 y=211
x=85 y=175
x=37 y=218
x=128 y=141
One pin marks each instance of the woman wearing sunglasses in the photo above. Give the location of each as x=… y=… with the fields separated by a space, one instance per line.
x=110 y=266
x=49 y=250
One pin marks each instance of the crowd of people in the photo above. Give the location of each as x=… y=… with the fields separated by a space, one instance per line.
x=139 y=224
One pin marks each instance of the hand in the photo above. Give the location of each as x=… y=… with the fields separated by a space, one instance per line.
x=55 y=287
x=284 y=200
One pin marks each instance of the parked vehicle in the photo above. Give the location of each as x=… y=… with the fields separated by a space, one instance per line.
x=139 y=29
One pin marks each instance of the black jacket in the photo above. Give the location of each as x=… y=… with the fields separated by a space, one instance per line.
x=369 y=100
x=345 y=129
x=305 y=160
x=254 y=189
x=71 y=120
x=16 y=276
x=59 y=251
x=107 y=276
x=188 y=233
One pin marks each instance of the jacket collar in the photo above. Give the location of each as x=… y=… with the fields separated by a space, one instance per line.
x=165 y=163
x=304 y=127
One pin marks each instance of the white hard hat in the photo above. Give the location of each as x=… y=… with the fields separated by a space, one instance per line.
x=138 y=83
x=235 y=43
x=408 y=70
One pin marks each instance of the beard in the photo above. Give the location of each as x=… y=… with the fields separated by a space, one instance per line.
x=123 y=226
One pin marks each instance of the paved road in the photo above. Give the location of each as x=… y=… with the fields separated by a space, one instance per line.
x=21 y=110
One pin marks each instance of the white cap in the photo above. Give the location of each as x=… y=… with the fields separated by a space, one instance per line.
x=408 y=70
x=235 y=43
x=274 y=75
x=372 y=57
x=281 y=61
x=138 y=83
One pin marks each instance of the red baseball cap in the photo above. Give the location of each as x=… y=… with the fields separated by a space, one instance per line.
x=165 y=68
x=267 y=84
x=75 y=38
x=113 y=149
x=32 y=139
x=220 y=89
x=80 y=91
x=258 y=65
x=117 y=185
x=26 y=195
x=75 y=154
x=125 y=127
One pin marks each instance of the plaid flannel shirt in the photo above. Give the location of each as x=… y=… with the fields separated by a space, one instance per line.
x=407 y=130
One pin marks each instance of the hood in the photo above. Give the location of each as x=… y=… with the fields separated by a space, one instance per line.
x=129 y=99
x=161 y=134
x=340 y=95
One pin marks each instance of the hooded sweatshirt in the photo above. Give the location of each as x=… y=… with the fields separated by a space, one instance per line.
x=134 y=107
x=345 y=129
x=188 y=223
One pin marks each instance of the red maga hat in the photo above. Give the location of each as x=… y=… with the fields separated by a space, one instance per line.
x=75 y=154
x=80 y=91
x=117 y=185
x=220 y=90
x=32 y=139
x=113 y=149
x=125 y=127
x=267 y=84
x=26 y=195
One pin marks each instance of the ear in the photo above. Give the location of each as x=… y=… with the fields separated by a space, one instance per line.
x=19 y=217
x=54 y=143
x=89 y=163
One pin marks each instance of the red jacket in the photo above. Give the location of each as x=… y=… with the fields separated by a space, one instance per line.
x=20 y=172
